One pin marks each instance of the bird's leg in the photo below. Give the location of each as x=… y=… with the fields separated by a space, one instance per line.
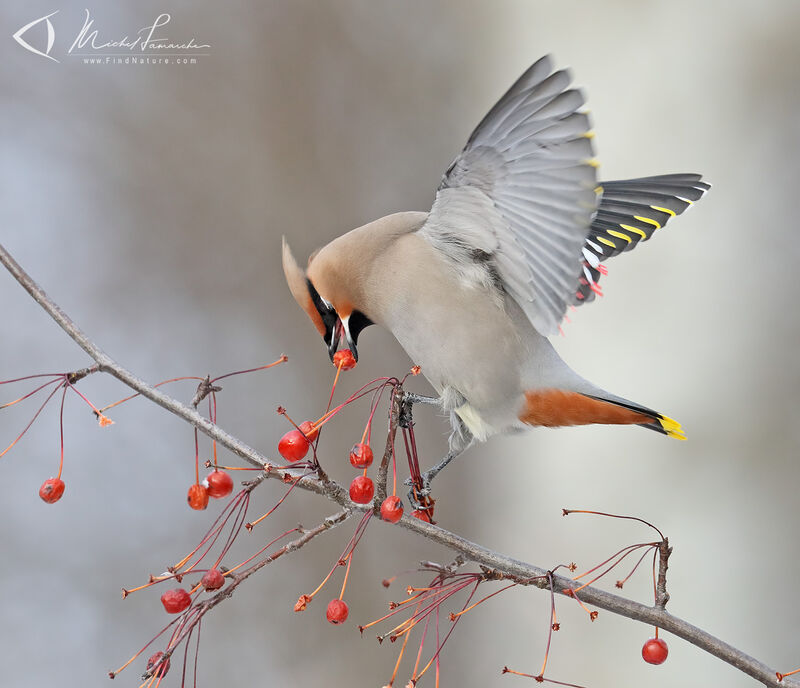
x=418 y=494
x=412 y=398
x=431 y=473
x=406 y=419
x=460 y=439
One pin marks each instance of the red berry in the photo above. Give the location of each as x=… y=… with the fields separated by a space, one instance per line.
x=51 y=490
x=337 y=612
x=158 y=667
x=655 y=651
x=219 y=484
x=392 y=509
x=293 y=446
x=308 y=429
x=422 y=515
x=362 y=489
x=345 y=359
x=175 y=601
x=212 y=580
x=197 y=497
x=361 y=455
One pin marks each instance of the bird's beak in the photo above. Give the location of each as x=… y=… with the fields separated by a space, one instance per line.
x=351 y=344
x=342 y=327
x=335 y=335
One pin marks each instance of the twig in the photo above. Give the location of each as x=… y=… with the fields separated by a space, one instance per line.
x=388 y=452
x=662 y=596
x=511 y=568
x=236 y=579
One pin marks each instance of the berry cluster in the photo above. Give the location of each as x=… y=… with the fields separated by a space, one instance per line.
x=424 y=603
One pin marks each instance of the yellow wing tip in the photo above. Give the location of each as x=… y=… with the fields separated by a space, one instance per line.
x=672 y=427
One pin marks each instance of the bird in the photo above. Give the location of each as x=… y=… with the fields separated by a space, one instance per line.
x=474 y=289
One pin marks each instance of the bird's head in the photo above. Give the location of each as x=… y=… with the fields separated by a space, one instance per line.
x=328 y=291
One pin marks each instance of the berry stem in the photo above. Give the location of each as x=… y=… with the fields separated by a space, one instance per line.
x=399 y=659
x=655 y=584
x=82 y=396
x=265 y=547
x=212 y=403
x=282 y=359
x=252 y=524
x=61 y=432
x=346 y=575
x=113 y=674
x=196 y=457
x=438 y=645
x=616 y=558
x=59 y=376
x=27 y=427
x=29 y=394
x=552 y=623
x=483 y=599
x=240 y=502
x=333 y=387
x=567 y=512
x=358 y=394
x=633 y=570
x=449 y=632
x=414 y=676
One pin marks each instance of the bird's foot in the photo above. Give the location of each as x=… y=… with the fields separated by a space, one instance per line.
x=420 y=499
x=420 y=490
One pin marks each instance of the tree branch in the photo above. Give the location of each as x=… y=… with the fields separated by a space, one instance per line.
x=510 y=568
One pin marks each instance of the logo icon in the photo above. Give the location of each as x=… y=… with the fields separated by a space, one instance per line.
x=51 y=36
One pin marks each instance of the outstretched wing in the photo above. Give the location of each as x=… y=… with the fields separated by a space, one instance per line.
x=630 y=211
x=522 y=194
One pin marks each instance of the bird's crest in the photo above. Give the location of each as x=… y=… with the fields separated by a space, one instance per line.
x=298 y=285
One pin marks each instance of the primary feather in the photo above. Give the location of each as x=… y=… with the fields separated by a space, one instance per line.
x=523 y=192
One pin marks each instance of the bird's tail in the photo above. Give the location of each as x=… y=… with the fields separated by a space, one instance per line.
x=629 y=212
x=561 y=407
x=658 y=422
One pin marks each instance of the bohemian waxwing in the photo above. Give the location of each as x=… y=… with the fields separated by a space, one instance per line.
x=517 y=233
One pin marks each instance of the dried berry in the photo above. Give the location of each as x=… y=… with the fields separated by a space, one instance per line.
x=361 y=455
x=308 y=429
x=197 y=497
x=51 y=490
x=362 y=489
x=392 y=509
x=337 y=612
x=345 y=359
x=212 y=579
x=157 y=667
x=175 y=601
x=219 y=484
x=422 y=515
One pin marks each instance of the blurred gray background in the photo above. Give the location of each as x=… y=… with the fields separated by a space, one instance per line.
x=150 y=202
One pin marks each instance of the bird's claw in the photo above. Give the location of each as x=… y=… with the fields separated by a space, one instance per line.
x=420 y=492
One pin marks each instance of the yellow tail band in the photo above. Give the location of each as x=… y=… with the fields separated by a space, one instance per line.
x=672 y=427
